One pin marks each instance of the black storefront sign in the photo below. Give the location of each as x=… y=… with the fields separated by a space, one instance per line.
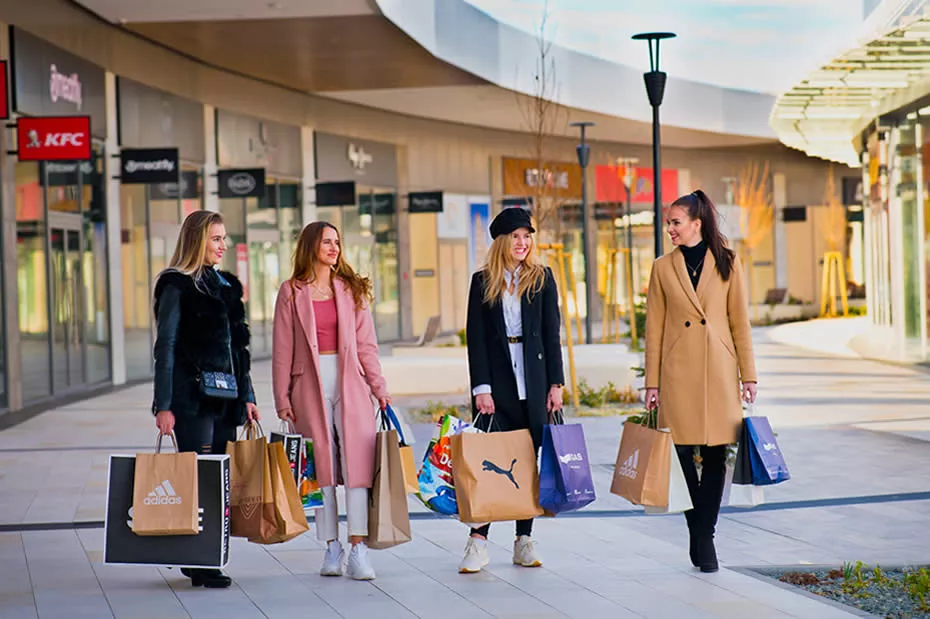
x=242 y=183
x=48 y=81
x=794 y=213
x=282 y=195
x=522 y=202
x=852 y=190
x=335 y=194
x=169 y=191
x=148 y=166
x=424 y=202
x=376 y=204
x=65 y=173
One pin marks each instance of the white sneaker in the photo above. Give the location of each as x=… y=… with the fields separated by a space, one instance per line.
x=359 y=567
x=476 y=556
x=524 y=554
x=332 y=562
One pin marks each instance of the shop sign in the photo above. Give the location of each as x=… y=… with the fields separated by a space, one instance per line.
x=611 y=187
x=340 y=158
x=525 y=177
x=335 y=194
x=4 y=98
x=424 y=202
x=53 y=138
x=242 y=183
x=65 y=173
x=144 y=166
x=376 y=204
x=169 y=191
x=358 y=156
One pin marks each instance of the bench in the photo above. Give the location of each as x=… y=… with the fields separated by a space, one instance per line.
x=433 y=324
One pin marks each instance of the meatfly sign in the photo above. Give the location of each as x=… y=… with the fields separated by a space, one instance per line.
x=53 y=138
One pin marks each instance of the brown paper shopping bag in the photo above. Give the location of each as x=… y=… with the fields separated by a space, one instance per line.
x=290 y=520
x=388 y=514
x=641 y=474
x=411 y=483
x=251 y=507
x=165 y=493
x=495 y=476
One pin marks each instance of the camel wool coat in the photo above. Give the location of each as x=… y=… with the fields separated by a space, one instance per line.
x=296 y=383
x=698 y=349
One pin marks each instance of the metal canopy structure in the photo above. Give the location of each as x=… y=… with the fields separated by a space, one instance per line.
x=824 y=114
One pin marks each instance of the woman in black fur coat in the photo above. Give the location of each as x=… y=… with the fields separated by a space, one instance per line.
x=201 y=327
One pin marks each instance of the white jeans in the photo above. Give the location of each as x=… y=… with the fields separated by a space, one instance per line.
x=327 y=517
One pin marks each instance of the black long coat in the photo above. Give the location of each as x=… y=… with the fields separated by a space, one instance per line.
x=489 y=360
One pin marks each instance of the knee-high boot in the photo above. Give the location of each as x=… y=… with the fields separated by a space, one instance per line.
x=710 y=494
x=692 y=516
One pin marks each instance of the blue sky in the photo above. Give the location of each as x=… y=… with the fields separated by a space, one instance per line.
x=762 y=45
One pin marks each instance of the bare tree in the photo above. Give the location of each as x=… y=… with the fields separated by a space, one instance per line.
x=832 y=222
x=757 y=215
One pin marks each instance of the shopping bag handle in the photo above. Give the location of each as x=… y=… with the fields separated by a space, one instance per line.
x=557 y=418
x=251 y=430
x=389 y=420
x=174 y=441
x=287 y=426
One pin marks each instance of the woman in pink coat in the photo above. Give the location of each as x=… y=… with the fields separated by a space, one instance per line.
x=325 y=370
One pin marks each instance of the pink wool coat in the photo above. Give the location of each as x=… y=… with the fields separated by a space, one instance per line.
x=296 y=383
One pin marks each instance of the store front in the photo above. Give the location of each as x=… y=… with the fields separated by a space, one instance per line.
x=367 y=220
x=261 y=168
x=62 y=271
x=151 y=214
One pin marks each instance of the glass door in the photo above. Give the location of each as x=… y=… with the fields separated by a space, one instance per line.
x=67 y=288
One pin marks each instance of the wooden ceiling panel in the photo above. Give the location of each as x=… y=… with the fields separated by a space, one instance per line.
x=311 y=54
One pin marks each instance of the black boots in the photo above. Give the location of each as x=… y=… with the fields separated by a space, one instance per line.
x=706 y=495
x=211 y=579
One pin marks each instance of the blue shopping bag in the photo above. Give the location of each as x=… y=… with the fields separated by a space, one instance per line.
x=565 y=481
x=766 y=460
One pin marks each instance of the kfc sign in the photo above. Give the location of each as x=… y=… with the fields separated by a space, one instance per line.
x=54 y=138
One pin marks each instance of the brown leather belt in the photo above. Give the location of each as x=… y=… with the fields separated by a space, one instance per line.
x=515 y=340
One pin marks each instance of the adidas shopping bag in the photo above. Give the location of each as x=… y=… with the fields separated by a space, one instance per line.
x=164 y=498
x=641 y=475
x=208 y=549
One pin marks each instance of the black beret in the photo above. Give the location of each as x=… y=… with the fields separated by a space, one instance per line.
x=510 y=219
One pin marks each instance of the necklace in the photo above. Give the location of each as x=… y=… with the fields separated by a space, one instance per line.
x=324 y=292
x=694 y=271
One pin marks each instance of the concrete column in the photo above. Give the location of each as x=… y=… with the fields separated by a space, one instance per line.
x=780 y=239
x=403 y=246
x=211 y=200
x=114 y=237
x=308 y=180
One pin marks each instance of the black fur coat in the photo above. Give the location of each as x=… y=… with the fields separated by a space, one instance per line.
x=200 y=330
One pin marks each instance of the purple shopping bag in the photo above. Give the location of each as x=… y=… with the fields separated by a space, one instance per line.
x=565 y=481
x=767 y=462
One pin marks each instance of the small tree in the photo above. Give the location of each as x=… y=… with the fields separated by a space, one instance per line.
x=832 y=225
x=757 y=215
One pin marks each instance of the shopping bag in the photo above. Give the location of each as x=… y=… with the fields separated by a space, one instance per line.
x=164 y=498
x=208 y=549
x=768 y=463
x=293 y=447
x=311 y=494
x=388 y=515
x=435 y=481
x=389 y=419
x=739 y=490
x=290 y=520
x=565 y=481
x=641 y=474
x=495 y=476
x=679 y=498
x=251 y=507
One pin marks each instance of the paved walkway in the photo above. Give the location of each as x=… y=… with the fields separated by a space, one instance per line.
x=854 y=433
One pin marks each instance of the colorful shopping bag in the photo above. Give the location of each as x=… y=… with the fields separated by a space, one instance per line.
x=436 y=484
x=165 y=495
x=311 y=494
x=768 y=463
x=565 y=481
x=641 y=474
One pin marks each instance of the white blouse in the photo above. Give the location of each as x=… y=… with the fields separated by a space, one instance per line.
x=513 y=323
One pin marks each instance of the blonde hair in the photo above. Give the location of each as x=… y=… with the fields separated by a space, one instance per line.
x=305 y=259
x=191 y=251
x=532 y=272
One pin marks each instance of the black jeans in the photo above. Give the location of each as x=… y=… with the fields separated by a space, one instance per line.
x=707 y=492
x=524 y=527
x=204 y=434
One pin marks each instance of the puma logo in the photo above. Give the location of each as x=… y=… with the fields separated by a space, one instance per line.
x=487 y=465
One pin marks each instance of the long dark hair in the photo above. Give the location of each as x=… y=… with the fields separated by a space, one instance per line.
x=699 y=206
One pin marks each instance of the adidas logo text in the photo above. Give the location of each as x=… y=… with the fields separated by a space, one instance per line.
x=163 y=494
x=629 y=466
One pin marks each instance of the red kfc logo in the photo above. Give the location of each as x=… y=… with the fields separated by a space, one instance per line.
x=54 y=138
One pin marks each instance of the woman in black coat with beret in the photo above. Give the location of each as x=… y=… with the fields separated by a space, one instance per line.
x=514 y=354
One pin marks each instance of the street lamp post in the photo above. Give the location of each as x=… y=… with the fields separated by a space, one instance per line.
x=655 y=89
x=590 y=275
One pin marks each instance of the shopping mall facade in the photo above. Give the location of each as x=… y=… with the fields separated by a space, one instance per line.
x=869 y=108
x=371 y=115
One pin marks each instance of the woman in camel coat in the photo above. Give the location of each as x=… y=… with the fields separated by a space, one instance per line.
x=698 y=353
x=325 y=370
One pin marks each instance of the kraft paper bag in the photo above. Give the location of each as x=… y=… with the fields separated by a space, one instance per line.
x=165 y=493
x=251 y=505
x=290 y=520
x=679 y=497
x=388 y=515
x=641 y=475
x=411 y=483
x=495 y=475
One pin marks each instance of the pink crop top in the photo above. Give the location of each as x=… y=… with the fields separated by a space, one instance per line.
x=326 y=326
